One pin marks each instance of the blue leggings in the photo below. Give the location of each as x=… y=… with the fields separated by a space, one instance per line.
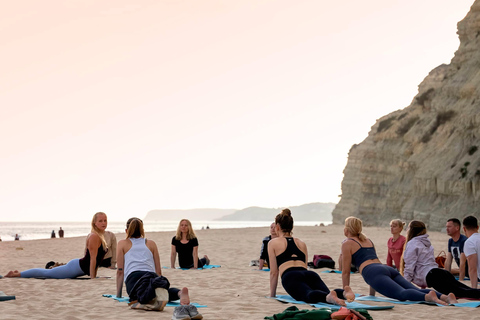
x=306 y=285
x=70 y=270
x=390 y=283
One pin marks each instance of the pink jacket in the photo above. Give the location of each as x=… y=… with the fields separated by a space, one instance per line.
x=419 y=260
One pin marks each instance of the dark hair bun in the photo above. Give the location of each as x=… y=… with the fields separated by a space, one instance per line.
x=287 y=212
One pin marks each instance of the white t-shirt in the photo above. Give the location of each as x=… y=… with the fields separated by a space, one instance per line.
x=472 y=246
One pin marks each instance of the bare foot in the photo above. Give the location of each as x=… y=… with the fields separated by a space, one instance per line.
x=432 y=297
x=348 y=294
x=207 y=262
x=13 y=274
x=334 y=299
x=450 y=298
x=184 y=297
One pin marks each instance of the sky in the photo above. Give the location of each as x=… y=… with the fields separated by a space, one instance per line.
x=129 y=106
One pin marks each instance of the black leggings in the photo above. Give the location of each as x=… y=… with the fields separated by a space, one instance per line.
x=133 y=278
x=444 y=282
x=306 y=285
x=201 y=263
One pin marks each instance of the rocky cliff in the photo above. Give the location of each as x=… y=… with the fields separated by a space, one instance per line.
x=423 y=162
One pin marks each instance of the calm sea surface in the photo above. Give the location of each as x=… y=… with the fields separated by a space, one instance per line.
x=43 y=230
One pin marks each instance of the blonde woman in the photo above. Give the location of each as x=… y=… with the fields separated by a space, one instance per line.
x=185 y=243
x=395 y=244
x=382 y=278
x=88 y=265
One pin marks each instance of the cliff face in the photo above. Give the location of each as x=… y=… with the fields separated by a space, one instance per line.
x=423 y=162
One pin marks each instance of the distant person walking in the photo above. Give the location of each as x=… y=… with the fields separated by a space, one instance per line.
x=53 y=234
x=60 y=233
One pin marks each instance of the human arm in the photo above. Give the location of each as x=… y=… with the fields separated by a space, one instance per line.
x=93 y=242
x=410 y=257
x=340 y=262
x=463 y=263
x=195 y=257
x=389 y=255
x=346 y=263
x=156 y=257
x=263 y=253
x=261 y=262
x=113 y=247
x=448 y=262
x=120 y=265
x=273 y=271
x=173 y=255
x=472 y=269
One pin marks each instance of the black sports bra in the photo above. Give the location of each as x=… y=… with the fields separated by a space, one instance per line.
x=291 y=253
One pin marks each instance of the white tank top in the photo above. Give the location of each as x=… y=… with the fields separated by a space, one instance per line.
x=138 y=258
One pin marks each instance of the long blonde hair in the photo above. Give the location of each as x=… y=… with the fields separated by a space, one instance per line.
x=354 y=226
x=97 y=231
x=190 y=234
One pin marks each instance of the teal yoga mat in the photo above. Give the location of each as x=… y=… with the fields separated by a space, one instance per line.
x=472 y=304
x=350 y=305
x=169 y=304
x=210 y=266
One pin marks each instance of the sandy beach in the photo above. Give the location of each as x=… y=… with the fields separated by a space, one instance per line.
x=234 y=291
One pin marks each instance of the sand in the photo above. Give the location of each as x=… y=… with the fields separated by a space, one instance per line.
x=234 y=291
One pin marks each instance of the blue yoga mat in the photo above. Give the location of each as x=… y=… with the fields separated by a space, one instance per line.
x=334 y=271
x=472 y=304
x=350 y=305
x=169 y=304
x=210 y=266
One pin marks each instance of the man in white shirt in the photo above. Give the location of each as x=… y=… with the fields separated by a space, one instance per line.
x=472 y=249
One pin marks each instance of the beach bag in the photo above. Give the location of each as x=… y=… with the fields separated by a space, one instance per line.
x=440 y=259
x=323 y=261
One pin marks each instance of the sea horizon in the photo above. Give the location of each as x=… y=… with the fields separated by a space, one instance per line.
x=35 y=230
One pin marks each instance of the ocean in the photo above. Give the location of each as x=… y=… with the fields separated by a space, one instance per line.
x=43 y=230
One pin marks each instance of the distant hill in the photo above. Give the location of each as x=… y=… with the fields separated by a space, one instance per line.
x=191 y=214
x=308 y=212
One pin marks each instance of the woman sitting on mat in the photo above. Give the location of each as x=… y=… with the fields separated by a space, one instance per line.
x=395 y=244
x=421 y=268
x=138 y=261
x=88 y=265
x=382 y=278
x=288 y=258
x=186 y=244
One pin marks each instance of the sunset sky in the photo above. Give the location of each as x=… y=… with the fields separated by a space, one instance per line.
x=128 y=106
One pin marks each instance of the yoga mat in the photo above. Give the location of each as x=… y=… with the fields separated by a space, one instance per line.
x=210 y=266
x=4 y=297
x=472 y=304
x=334 y=271
x=350 y=305
x=175 y=303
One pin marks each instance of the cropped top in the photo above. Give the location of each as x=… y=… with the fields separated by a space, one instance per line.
x=291 y=253
x=363 y=254
x=85 y=261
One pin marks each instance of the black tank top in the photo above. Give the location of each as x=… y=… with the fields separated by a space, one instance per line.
x=85 y=261
x=291 y=253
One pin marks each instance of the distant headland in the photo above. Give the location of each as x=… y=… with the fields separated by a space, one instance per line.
x=316 y=211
